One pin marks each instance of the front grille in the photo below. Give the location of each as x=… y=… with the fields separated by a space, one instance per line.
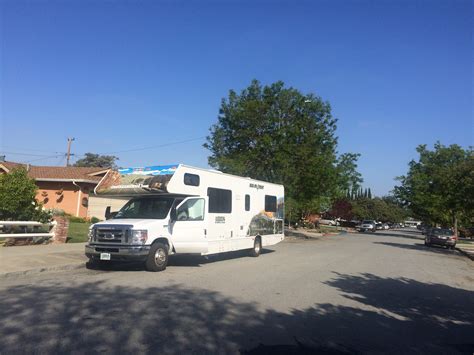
x=112 y=234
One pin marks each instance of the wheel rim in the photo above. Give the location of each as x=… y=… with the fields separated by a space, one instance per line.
x=160 y=257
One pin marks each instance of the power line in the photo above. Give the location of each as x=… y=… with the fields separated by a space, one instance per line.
x=61 y=160
x=44 y=158
x=155 y=146
x=58 y=154
x=29 y=149
x=28 y=155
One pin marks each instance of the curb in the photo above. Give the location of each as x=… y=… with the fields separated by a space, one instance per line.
x=334 y=233
x=43 y=269
x=302 y=235
x=384 y=234
x=465 y=253
x=310 y=235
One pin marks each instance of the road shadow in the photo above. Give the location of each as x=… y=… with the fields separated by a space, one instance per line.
x=385 y=315
x=179 y=260
x=415 y=311
x=420 y=247
x=197 y=260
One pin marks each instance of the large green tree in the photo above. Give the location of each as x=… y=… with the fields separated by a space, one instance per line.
x=384 y=209
x=97 y=161
x=439 y=187
x=275 y=133
x=18 y=198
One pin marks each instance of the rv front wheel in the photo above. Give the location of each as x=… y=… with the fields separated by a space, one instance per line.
x=257 y=247
x=157 y=258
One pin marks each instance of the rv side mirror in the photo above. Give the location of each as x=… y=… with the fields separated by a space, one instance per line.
x=173 y=214
x=107 y=212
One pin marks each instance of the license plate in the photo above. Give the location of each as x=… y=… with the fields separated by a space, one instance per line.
x=104 y=256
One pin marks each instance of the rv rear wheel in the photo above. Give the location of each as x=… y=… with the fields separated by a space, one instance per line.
x=157 y=258
x=257 y=247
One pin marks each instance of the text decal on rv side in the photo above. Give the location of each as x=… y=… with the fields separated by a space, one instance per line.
x=220 y=219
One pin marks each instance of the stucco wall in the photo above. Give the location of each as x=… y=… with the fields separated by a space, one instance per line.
x=48 y=194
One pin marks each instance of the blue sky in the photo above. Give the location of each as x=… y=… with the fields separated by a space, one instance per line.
x=119 y=75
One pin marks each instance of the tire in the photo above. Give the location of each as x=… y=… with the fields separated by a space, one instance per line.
x=257 y=247
x=157 y=259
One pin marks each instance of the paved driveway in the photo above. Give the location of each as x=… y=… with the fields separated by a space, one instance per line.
x=367 y=293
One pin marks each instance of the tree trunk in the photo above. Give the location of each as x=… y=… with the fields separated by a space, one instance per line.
x=455 y=225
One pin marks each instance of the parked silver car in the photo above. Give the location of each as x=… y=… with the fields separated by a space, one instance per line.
x=368 y=225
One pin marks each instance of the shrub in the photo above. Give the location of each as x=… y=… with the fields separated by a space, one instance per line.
x=18 y=198
x=95 y=220
x=74 y=219
x=57 y=212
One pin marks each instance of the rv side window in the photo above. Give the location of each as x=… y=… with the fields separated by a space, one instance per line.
x=247 y=202
x=270 y=203
x=220 y=200
x=191 y=179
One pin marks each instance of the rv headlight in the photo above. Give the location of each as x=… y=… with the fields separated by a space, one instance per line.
x=139 y=236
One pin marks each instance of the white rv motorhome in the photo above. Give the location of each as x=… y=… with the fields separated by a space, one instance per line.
x=178 y=209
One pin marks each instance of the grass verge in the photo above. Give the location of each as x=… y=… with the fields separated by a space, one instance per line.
x=78 y=232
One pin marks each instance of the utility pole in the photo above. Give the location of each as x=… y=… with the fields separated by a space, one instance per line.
x=68 y=154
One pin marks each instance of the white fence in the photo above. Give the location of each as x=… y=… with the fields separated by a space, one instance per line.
x=25 y=224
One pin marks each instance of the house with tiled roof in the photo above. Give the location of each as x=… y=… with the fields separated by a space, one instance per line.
x=65 y=188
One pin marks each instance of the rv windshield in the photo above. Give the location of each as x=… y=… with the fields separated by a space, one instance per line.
x=146 y=207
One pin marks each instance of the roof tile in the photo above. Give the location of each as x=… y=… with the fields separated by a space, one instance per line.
x=59 y=172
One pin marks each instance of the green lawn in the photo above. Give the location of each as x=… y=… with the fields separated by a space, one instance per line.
x=78 y=232
x=328 y=229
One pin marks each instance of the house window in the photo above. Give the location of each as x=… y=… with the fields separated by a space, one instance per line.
x=270 y=203
x=247 y=202
x=220 y=200
x=191 y=179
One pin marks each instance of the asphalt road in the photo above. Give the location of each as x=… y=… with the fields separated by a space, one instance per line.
x=354 y=293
